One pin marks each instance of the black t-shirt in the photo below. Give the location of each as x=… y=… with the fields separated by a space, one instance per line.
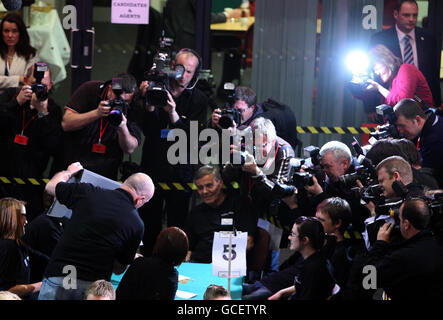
x=104 y=227
x=79 y=143
x=148 y=279
x=203 y=221
x=314 y=281
x=14 y=264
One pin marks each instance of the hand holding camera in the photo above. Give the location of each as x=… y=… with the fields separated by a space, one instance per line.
x=384 y=233
x=315 y=188
x=24 y=95
x=103 y=109
x=216 y=114
x=250 y=165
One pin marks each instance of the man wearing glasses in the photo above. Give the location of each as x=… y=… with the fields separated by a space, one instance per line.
x=280 y=114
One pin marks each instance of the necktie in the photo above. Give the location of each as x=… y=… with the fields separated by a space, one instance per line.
x=408 y=54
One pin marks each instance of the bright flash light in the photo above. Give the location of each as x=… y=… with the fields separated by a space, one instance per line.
x=357 y=62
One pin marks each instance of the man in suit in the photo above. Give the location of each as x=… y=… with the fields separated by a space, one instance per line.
x=422 y=49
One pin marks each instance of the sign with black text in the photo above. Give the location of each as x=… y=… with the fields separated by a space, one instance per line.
x=130 y=12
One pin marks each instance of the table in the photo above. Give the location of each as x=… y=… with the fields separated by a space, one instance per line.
x=240 y=28
x=201 y=277
x=239 y=25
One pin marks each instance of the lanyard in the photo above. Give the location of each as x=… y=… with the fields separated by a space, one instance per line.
x=25 y=125
x=102 y=130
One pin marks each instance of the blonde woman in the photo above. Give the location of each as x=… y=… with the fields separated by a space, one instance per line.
x=400 y=80
x=14 y=260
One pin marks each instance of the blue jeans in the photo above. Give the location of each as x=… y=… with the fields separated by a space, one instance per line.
x=52 y=289
x=256 y=291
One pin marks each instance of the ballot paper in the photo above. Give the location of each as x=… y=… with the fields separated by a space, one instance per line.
x=183 y=279
x=184 y=294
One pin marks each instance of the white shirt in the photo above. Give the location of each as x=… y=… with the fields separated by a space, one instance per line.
x=412 y=41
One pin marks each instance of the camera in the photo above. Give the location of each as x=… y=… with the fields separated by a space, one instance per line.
x=160 y=74
x=384 y=213
x=299 y=179
x=228 y=117
x=40 y=89
x=229 y=114
x=372 y=193
x=243 y=139
x=118 y=105
x=388 y=129
x=365 y=173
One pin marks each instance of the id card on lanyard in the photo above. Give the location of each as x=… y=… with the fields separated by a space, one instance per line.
x=99 y=147
x=21 y=138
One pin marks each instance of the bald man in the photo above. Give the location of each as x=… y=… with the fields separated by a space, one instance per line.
x=102 y=236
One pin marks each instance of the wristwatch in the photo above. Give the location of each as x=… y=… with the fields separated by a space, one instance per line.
x=42 y=114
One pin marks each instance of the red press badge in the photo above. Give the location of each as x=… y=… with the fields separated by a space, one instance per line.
x=21 y=139
x=98 y=148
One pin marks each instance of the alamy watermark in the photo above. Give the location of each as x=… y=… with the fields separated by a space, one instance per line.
x=70 y=280
x=70 y=17
x=236 y=147
x=370 y=280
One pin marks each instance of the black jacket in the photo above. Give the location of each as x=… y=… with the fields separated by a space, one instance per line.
x=43 y=133
x=413 y=270
x=431 y=140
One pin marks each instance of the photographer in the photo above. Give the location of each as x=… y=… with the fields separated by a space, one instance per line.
x=426 y=128
x=406 y=149
x=413 y=269
x=394 y=171
x=403 y=80
x=185 y=103
x=260 y=172
x=91 y=137
x=336 y=161
x=30 y=133
x=245 y=101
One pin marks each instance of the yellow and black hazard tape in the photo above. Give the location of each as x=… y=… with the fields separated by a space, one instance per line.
x=335 y=130
x=167 y=186
x=23 y=181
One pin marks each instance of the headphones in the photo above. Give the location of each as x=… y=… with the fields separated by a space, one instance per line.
x=195 y=78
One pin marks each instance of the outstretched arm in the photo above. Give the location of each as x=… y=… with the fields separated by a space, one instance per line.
x=62 y=176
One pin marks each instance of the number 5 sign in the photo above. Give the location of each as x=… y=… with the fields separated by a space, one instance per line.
x=220 y=254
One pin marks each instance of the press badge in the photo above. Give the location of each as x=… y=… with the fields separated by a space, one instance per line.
x=227 y=221
x=21 y=139
x=164 y=133
x=98 y=148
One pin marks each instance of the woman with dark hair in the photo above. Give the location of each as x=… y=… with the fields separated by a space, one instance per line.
x=16 y=53
x=155 y=277
x=402 y=80
x=314 y=282
x=14 y=260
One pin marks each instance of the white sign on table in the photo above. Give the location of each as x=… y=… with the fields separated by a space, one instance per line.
x=220 y=254
x=130 y=12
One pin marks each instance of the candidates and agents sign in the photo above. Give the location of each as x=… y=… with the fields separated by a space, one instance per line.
x=130 y=12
